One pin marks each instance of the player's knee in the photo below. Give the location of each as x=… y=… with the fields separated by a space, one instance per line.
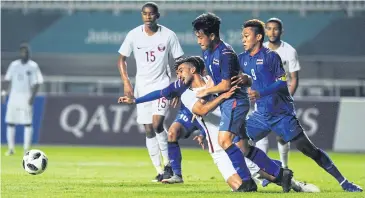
x=224 y=142
x=172 y=134
x=158 y=127
x=149 y=131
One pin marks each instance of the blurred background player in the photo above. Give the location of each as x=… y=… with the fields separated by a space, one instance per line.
x=275 y=106
x=151 y=45
x=289 y=58
x=24 y=77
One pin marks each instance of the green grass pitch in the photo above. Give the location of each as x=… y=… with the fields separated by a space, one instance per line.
x=127 y=172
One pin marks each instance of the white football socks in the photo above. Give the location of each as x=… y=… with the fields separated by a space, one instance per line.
x=10 y=137
x=154 y=152
x=263 y=144
x=284 y=153
x=28 y=132
x=162 y=141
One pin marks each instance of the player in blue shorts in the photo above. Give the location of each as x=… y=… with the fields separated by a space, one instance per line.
x=221 y=64
x=274 y=109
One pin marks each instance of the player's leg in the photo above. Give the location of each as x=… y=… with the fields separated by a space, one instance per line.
x=283 y=148
x=10 y=137
x=144 y=117
x=160 y=109
x=232 y=119
x=304 y=145
x=28 y=129
x=263 y=144
x=290 y=129
x=174 y=152
x=257 y=128
x=225 y=167
x=10 y=119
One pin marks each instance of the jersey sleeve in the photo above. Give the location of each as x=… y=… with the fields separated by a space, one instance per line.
x=228 y=62
x=175 y=89
x=9 y=72
x=294 y=62
x=38 y=77
x=276 y=66
x=175 y=47
x=127 y=46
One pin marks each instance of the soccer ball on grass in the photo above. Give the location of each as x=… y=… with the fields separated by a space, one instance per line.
x=35 y=162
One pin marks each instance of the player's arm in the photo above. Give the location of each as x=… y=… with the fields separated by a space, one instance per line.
x=171 y=91
x=6 y=84
x=125 y=51
x=202 y=108
x=226 y=63
x=294 y=68
x=276 y=67
x=294 y=82
x=37 y=80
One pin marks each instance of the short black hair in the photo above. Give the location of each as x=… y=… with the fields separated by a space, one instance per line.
x=208 y=23
x=151 y=5
x=195 y=61
x=277 y=21
x=24 y=46
x=257 y=25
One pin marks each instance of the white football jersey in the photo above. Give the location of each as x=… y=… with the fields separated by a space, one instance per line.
x=210 y=122
x=22 y=77
x=288 y=56
x=152 y=54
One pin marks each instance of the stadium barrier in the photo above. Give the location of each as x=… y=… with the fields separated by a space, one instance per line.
x=98 y=120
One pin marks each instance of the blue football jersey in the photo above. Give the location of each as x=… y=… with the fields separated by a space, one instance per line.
x=222 y=63
x=265 y=68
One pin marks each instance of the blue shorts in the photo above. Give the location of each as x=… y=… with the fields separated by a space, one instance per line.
x=233 y=116
x=259 y=126
x=184 y=118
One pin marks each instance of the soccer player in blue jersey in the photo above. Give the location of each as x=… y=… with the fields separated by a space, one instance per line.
x=274 y=105
x=222 y=64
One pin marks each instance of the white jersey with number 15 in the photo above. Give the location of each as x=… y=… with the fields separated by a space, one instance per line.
x=152 y=55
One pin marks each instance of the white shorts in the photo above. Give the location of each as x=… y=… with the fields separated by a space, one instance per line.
x=19 y=115
x=146 y=110
x=224 y=164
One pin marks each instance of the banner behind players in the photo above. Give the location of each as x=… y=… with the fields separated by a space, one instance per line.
x=99 y=120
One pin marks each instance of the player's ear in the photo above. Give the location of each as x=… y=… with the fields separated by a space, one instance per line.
x=259 y=37
x=158 y=15
x=212 y=36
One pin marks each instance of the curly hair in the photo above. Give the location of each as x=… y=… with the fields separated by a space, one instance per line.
x=195 y=61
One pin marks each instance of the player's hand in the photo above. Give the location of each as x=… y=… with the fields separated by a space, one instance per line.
x=229 y=93
x=128 y=90
x=202 y=93
x=253 y=94
x=200 y=140
x=175 y=101
x=240 y=80
x=126 y=100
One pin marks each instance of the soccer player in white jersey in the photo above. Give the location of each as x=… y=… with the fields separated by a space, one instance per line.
x=24 y=77
x=151 y=44
x=289 y=57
